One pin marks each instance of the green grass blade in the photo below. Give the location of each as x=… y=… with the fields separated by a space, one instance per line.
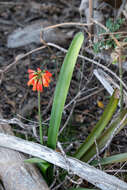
x=105 y=136
x=62 y=89
x=112 y=159
x=101 y=124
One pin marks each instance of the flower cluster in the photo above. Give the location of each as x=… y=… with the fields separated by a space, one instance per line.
x=39 y=79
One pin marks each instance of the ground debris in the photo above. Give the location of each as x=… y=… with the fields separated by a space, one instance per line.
x=35 y=33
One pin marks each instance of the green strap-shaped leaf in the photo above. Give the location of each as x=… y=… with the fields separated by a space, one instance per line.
x=112 y=159
x=102 y=140
x=62 y=89
x=101 y=124
x=43 y=165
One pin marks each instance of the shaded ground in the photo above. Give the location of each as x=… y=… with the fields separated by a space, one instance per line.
x=17 y=98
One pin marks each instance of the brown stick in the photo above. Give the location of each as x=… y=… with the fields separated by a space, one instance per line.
x=90 y=15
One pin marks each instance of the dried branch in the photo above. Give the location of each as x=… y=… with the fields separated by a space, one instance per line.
x=108 y=82
x=91 y=61
x=95 y=176
x=121 y=8
x=90 y=14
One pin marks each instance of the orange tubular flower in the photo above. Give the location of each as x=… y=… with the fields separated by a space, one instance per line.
x=39 y=79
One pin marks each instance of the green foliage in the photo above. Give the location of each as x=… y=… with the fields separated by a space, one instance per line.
x=125 y=40
x=108 y=42
x=37 y=160
x=110 y=160
x=62 y=89
x=114 y=26
x=58 y=103
x=106 y=135
x=60 y=96
x=98 y=46
x=42 y=165
x=88 y=149
x=101 y=124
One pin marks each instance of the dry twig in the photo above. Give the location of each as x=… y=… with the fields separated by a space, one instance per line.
x=95 y=176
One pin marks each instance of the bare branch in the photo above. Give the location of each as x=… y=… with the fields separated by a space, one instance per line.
x=95 y=176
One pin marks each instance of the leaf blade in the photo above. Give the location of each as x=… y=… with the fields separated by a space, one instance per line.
x=101 y=124
x=62 y=89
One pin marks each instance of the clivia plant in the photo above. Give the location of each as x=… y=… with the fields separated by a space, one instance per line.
x=40 y=79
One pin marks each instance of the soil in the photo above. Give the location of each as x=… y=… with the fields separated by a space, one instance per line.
x=17 y=97
x=19 y=101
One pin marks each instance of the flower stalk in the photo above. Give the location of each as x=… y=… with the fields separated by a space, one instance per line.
x=40 y=118
x=39 y=79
